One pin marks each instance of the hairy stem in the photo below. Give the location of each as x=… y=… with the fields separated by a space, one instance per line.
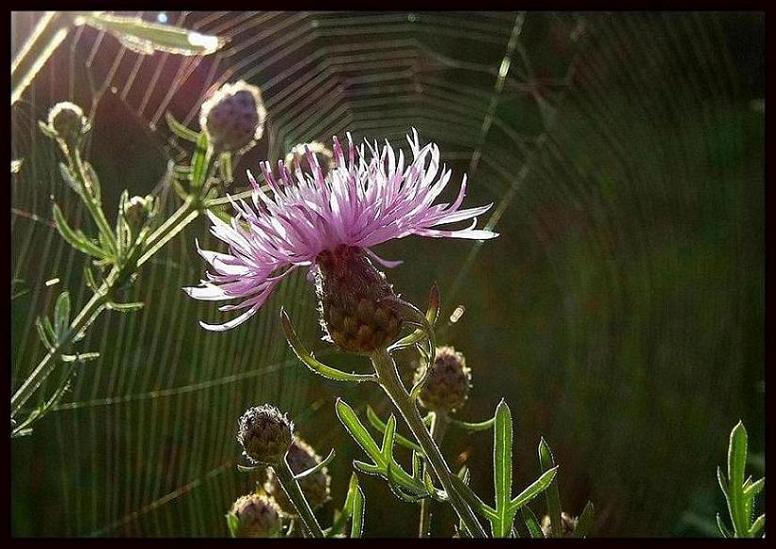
x=389 y=380
x=438 y=428
x=291 y=488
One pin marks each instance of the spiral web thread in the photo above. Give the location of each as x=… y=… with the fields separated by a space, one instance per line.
x=143 y=442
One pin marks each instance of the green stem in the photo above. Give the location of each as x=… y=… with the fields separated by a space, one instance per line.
x=90 y=198
x=48 y=34
x=389 y=380
x=296 y=497
x=87 y=315
x=156 y=240
x=438 y=428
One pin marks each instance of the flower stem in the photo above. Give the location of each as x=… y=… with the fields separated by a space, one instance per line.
x=296 y=497
x=438 y=428
x=87 y=315
x=388 y=378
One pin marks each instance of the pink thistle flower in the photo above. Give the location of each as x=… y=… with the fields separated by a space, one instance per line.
x=361 y=203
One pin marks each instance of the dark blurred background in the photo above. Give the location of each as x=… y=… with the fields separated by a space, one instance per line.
x=620 y=313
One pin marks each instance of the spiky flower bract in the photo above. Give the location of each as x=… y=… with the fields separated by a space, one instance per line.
x=447 y=386
x=365 y=200
x=233 y=117
x=258 y=516
x=265 y=434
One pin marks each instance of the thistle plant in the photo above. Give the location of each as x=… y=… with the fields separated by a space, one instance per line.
x=117 y=251
x=328 y=222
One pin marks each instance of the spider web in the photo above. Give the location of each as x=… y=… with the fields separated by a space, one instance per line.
x=613 y=147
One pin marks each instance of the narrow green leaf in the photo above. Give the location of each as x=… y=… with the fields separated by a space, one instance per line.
x=225 y=168
x=388 y=438
x=93 y=181
x=356 y=429
x=502 y=470
x=402 y=485
x=45 y=338
x=367 y=468
x=472 y=499
x=534 y=489
x=309 y=360
x=737 y=455
x=62 y=314
x=76 y=239
x=757 y=526
x=736 y=470
x=531 y=523
x=552 y=494
x=481 y=426
x=200 y=161
x=754 y=488
x=585 y=521
x=432 y=313
x=723 y=483
x=378 y=424
x=357 y=511
x=126 y=307
x=233 y=523
x=315 y=468
x=146 y=38
x=722 y=528
x=180 y=130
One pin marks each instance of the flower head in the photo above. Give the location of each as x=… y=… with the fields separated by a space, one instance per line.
x=258 y=516
x=316 y=487
x=364 y=200
x=233 y=117
x=447 y=386
x=265 y=434
x=66 y=122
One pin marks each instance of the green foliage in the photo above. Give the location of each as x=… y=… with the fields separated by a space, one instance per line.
x=740 y=493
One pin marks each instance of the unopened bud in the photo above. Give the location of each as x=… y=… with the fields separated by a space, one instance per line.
x=316 y=487
x=67 y=122
x=297 y=158
x=233 y=117
x=447 y=385
x=265 y=434
x=258 y=516
x=354 y=298
x=568 y=525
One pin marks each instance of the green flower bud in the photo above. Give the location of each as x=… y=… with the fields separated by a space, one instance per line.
x=569 y=524
x=316 y=487
x=447 y=386
x=233 y=117
x=297 y=158
x=258 y=516
x=265 y=434
x=67 y=122
x=354 y=301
